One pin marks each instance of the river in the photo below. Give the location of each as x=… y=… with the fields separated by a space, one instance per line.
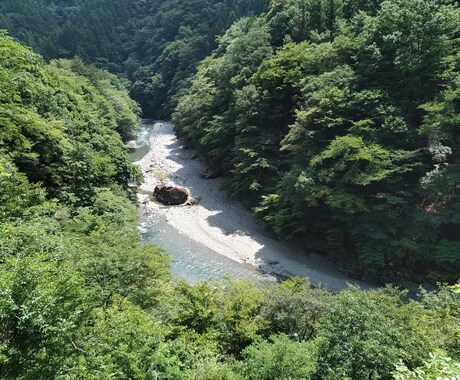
x=218 y=236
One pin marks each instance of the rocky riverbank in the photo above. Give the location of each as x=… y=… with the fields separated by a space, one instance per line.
x=219 y=223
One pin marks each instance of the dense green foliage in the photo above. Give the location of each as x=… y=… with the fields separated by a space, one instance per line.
x=72 y=268
x=80 y=298
x=156 y=44
x=338 y=121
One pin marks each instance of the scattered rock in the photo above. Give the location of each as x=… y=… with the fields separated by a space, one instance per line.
x=241 y=233
x=279 y=275
x=192 y=201
x=236 y=233
x=194 y=157
x=210 y=174
x=131 y=144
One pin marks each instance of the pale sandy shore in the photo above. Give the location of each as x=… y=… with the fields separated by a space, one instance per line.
x=220 y=223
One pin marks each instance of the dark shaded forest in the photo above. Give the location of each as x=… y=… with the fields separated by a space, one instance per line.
x=337 y=121
x=155 y=44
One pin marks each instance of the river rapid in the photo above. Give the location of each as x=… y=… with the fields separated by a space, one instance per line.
x=218 y=236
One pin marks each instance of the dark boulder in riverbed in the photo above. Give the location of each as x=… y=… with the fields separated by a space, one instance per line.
x=172 y=195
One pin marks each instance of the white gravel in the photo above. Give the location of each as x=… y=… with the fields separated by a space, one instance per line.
x=220 y=223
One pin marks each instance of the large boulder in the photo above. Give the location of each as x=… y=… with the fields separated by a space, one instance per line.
x=171 y=195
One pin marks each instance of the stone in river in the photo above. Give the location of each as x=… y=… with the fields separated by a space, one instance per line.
x=171 y=195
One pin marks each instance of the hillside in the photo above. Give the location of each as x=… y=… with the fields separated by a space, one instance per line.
x=155 y=44
x=338 y=123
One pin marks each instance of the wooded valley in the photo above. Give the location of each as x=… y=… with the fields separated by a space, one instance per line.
x=336 y=121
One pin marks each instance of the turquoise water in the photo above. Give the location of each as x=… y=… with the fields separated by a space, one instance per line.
x=191 y=260
x=143 y=146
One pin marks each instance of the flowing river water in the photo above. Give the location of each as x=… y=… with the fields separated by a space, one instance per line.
x=192 y=260
x=218 y=236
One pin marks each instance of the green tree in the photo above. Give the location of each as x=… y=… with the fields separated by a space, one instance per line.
x=44 y=304
x=364 y=334
x=280 y=358
x=294 y=308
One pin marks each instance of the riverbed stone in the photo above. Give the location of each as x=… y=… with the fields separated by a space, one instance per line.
x=210 y=174
x=171 y=195
x=131 y=145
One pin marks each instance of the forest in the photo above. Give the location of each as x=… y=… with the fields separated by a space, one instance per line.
x=155 y=44
x=337 y=122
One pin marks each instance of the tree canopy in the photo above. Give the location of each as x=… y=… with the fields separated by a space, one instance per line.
x=155 y=44
x=337 y=121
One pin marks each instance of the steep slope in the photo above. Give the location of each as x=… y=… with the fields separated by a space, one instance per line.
x=156 y=44
x=338 y=122
x=80 y=298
